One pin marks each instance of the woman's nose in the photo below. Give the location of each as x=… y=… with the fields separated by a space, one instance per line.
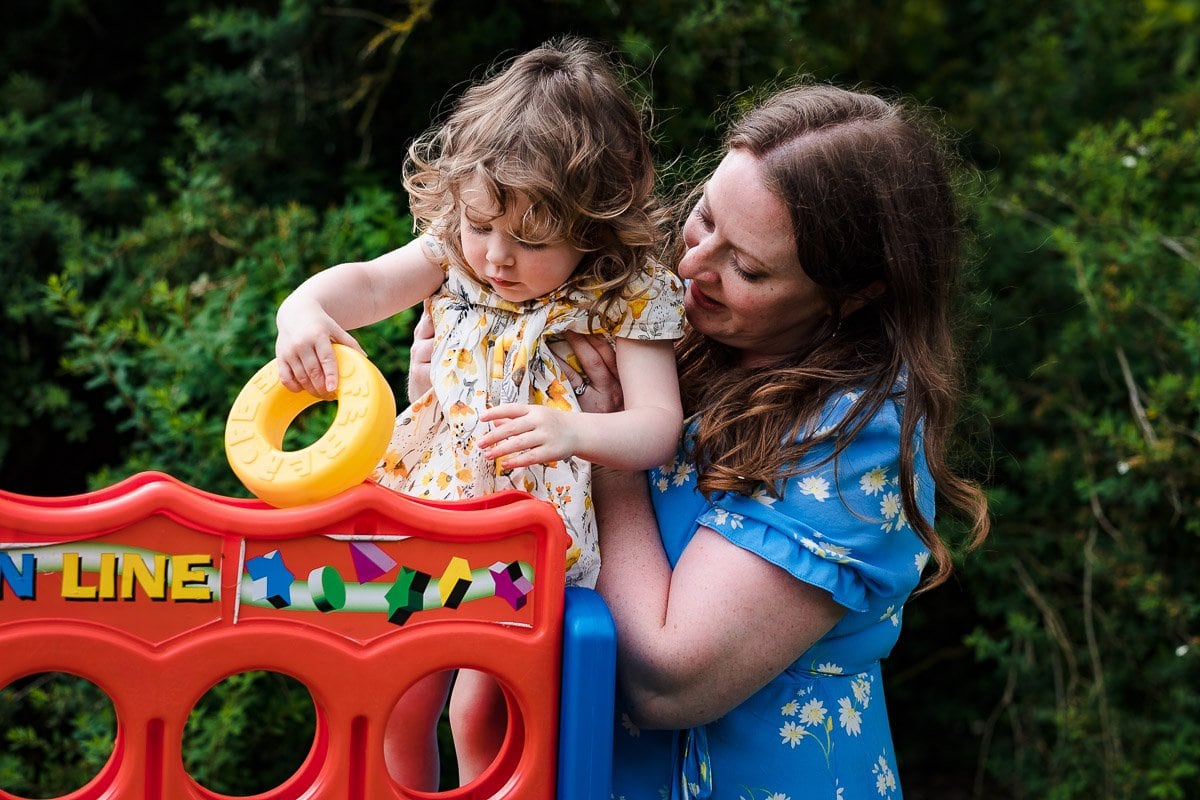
x=697 y=262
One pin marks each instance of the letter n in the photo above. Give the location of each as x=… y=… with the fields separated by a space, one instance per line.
x=20 y=580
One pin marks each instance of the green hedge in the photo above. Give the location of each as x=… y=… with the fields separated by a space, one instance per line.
x=166 y=183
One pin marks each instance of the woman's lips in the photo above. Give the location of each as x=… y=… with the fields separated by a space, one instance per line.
x=702 y=300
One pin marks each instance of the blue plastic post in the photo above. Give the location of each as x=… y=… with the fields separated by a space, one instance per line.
x=589 y=672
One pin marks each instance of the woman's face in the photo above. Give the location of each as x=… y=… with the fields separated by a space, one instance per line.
x=747 y=289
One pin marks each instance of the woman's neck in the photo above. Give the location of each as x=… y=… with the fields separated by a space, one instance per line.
x=753 y=359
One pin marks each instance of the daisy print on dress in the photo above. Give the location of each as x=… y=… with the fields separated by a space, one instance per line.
x=836 y=553
x=762 y=794
x=677 y=473
x=885 y=776
x=861 y=687
x=850 y=707
x=723 y=517
x=808 y=722
x=763 y=496
x=815 y=487
x=891 y=507
x=873 y=481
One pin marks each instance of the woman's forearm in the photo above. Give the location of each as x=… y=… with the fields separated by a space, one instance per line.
x=635 y=576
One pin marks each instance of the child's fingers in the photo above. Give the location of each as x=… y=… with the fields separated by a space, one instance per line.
x=341 y=337
x=286 y=376
x=308 y=371
x=327 y=377
x=504 y=430
x=513 y=442
x=504 y=411
x=525 y=458
x=507 y=447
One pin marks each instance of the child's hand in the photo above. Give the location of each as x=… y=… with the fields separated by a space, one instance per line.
x=535 y=434
x=304 y=351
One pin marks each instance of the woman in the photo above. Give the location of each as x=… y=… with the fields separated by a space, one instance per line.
x=758 y=579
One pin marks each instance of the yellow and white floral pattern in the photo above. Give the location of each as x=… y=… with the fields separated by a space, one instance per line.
x=489 y=351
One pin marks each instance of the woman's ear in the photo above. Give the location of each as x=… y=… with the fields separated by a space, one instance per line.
x=870 y=292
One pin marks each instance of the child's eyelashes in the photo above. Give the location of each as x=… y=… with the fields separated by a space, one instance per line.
x=484 y=230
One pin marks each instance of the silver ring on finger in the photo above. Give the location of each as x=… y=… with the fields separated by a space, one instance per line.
x=584 y=383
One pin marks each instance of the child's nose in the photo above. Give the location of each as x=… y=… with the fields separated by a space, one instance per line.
x=499 y=251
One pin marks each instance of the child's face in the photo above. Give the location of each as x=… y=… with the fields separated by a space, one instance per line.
x=516 y=270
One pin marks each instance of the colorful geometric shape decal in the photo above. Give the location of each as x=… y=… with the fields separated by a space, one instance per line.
x=272 y=580
x=511 y=584
x=369 y=561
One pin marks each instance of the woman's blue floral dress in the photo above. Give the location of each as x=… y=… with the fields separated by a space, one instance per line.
x=819 y=731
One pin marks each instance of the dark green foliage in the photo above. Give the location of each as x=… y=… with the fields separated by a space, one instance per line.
x=56 y=732
x=1093 y=377
x=164 y=184
x=265 y=713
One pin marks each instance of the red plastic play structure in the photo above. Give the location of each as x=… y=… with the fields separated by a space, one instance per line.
x=156 y=591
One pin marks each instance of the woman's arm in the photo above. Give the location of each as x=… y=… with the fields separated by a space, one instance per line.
x=323 y=308
x=643 y=434
x=696 y=641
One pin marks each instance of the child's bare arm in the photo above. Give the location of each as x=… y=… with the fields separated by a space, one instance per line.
x=327 y=305
x=644 y=434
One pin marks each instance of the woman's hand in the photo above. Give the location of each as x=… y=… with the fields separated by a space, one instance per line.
x=601 y=392
x=420 y=356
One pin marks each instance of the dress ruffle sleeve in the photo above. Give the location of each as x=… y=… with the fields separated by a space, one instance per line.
x=840 y=525
x=651 y=307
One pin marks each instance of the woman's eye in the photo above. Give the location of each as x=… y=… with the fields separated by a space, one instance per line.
x=701 y=215
x=749 y=277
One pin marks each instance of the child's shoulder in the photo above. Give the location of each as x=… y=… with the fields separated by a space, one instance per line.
x=655 y=280
x=433 y=246
x=652 y=304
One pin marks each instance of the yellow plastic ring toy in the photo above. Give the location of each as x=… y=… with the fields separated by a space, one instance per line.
x=343 y=457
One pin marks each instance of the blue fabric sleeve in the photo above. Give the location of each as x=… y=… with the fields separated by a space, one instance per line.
x=838 y=526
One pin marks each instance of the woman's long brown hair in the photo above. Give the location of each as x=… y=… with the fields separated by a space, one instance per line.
x=876 y=227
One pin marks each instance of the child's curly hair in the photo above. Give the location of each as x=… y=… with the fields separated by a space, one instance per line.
x=555 y=126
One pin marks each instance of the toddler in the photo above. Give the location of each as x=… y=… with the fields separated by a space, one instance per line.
x=536 y=210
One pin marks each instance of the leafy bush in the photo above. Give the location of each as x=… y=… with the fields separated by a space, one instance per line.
x=170 y=319
x=56 y=732
x=1093 y=383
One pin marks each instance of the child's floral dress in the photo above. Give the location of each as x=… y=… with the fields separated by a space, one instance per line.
x=489 y=351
